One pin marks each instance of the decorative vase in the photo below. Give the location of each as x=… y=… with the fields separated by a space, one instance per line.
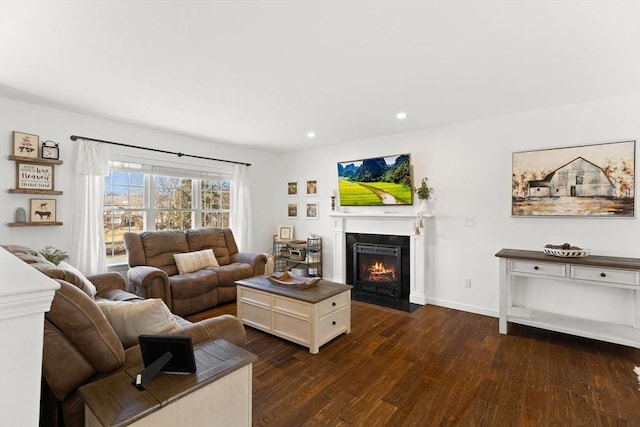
x=423 y=206
x=21 y=215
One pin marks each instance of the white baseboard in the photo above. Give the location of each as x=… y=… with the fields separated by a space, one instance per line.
x=463 y=307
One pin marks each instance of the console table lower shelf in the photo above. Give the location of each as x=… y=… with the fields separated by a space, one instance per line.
x=217 y=394
x=601 y=271
x=310 y=317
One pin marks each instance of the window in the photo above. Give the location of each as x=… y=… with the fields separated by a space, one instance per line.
x=139 y=197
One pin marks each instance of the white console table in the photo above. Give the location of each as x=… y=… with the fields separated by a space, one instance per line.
x=614 y=272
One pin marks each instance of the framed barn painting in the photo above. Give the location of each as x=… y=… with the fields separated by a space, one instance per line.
x=590 y=180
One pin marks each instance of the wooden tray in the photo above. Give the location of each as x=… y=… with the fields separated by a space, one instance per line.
x=289 y=279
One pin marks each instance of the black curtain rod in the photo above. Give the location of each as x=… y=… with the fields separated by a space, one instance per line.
x=76 y=137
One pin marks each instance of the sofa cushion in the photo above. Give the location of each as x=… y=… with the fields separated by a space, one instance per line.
x=69 y=274
x=132 y=318
x=58 y=355
x=190 y=285
x=159 y=247
x=228 y=274
x=210 y=238
x=75 y=277
x=80 y=320
x=194 y=261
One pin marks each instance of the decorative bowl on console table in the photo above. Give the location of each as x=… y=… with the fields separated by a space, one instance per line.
x=572 y=252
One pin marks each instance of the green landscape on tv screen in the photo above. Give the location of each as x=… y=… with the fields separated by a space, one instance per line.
x=378 y=181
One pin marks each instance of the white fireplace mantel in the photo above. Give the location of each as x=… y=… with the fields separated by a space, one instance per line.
x=394 y=224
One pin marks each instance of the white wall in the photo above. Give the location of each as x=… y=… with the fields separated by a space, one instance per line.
x=58 y=125
x=469 y=165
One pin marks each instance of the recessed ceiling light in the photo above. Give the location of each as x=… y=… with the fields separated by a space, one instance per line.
x=311 y=134
x=401 y=115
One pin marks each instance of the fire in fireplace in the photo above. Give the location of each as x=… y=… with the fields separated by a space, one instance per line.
x=375 y=268
x=378 y=272
x=378 y=269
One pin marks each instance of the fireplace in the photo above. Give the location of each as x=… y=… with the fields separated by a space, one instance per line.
x=390 y=224
x=378 y=269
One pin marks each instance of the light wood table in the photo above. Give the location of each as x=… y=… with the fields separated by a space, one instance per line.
x=593 y=270
x=217 y=394
x=310 y=317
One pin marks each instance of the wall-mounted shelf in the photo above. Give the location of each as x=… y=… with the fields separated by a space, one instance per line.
x=28 y=191
x=46 y=165
x=32 y=224
x=36 y=161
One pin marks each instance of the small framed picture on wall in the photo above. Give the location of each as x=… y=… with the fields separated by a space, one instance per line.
x=292 y=210
x=292 y=188
x=312 y=210
x=312 y=187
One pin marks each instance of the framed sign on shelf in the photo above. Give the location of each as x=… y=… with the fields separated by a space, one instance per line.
x=285 y=232
x=31 y=176
x=42 y=210
x=25 y=145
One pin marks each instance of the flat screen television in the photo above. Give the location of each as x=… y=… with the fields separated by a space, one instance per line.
x=377 y=181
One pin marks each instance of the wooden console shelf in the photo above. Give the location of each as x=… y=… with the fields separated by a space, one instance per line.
x=612 y=272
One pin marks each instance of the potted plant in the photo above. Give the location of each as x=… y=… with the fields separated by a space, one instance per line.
x=424 y=193
x=54 y=255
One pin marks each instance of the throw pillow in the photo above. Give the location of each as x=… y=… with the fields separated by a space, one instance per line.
x=130 y=319
x=75 y=277
x=194 y=261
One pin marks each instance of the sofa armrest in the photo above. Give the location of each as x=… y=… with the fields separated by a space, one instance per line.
x=257 y=261
x=150 y=282
x=107 y=281
x=226 y=326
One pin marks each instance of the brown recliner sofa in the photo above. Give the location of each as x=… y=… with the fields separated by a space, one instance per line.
x=80 y=346
x=153 y=272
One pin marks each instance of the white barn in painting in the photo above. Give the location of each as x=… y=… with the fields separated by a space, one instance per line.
x=578 y=178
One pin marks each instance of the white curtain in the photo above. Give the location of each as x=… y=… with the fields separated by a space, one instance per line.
x=241 y=207
x=88 y=248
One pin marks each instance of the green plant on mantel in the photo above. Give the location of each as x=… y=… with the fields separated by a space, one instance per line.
x=54 y=255
x=424 y=190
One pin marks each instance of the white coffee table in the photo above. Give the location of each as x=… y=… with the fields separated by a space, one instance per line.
x=309 y=317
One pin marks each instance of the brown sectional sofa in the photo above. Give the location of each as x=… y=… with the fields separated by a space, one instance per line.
x=153 y=272
x=80 y=345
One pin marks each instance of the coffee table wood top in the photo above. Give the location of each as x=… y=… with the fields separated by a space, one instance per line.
x=323 y=290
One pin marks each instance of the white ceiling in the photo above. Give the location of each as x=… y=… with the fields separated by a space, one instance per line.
x=264 y=73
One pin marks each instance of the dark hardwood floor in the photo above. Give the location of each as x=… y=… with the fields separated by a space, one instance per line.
x=441 y=367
